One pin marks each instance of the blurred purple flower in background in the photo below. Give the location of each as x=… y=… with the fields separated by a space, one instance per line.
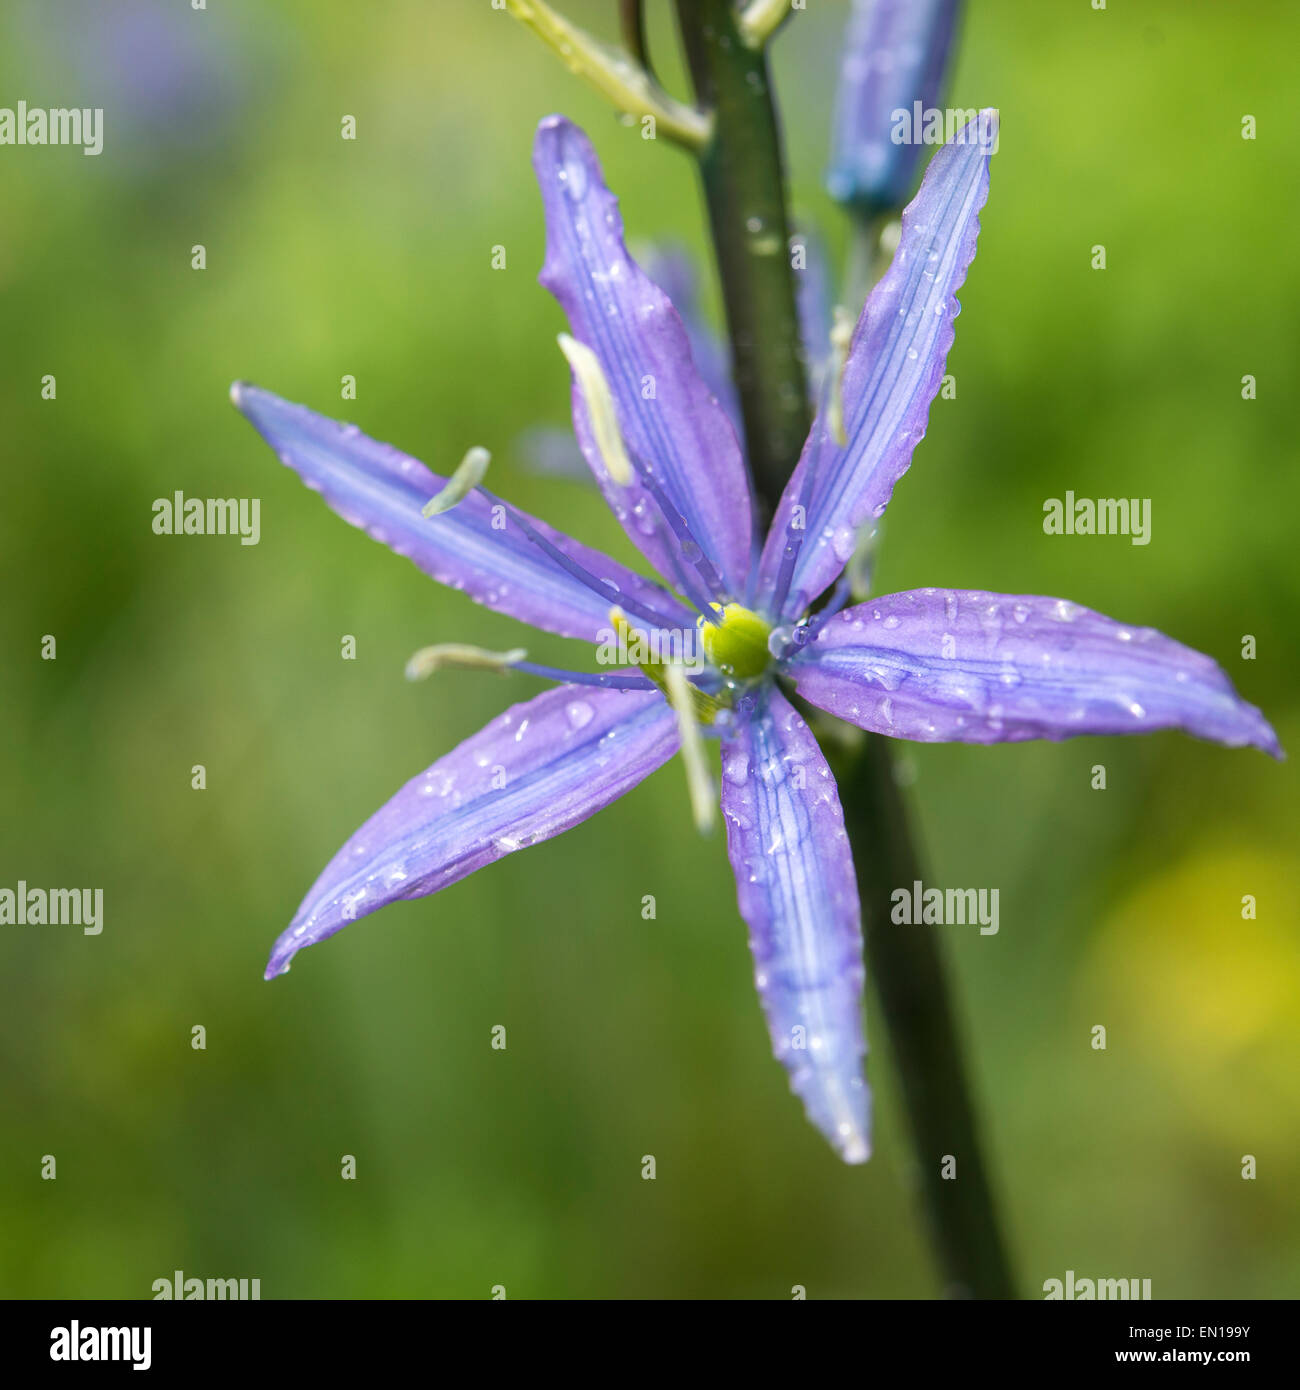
x=167 y=77
x=895 y=56
x=930 y=664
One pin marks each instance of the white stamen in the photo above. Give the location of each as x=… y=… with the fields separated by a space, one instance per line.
x=600 y=408
x=841 y=337
x=698 y=785
x=889 y=239
x=430 y=659
x=613 y=73
x=473 y=467
x=863 y=562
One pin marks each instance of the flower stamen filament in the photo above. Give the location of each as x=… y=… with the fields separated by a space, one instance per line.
x=703 y=705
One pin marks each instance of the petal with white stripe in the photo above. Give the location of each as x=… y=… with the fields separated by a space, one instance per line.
x=797 y=892
x=670 y=420
x=893 y=371
x=967 y=666
x=476 y=546
x=534 y=771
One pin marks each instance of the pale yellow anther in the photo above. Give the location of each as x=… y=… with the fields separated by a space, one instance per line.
x=841 y=337
x=680 y=695
x=600 y=408
x=760 y=19
x=622 y=628
x=614 y=74
x=430 y=659
x=862 y=563
x=468 y=475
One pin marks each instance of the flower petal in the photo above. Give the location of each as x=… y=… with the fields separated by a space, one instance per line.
x=673 y=270
x=381 y=490
x=892 y=373
x=668 y=417
x=895 y=53
x=539 y=769
x=555 y=452
x=940 y=665
x=797 y=892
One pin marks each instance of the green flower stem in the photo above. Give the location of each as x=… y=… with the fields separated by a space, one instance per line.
x=619 y=78
x=745 y=191
x=744 y=188
x=631 y=18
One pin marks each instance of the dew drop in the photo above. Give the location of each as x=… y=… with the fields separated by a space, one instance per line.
x=1063 y=611
x=735 y=768
x=579 y=714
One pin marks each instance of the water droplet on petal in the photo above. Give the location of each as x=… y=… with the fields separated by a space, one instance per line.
x=1063 y=611
x=579 y=714
x=735 y=768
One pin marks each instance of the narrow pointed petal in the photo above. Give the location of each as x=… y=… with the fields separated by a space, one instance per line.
x=555 y=452
x=895 y=56
x=797 y=892
x=965 y=666
x=669 y=418
x=539 y=769
x=381 y=490
x=892 y=373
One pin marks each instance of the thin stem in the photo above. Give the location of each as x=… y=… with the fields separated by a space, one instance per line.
x=745 y=191
x=617 y=77
x=631 y=21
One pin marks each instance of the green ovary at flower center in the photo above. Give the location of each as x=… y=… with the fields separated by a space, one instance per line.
x=737 y=643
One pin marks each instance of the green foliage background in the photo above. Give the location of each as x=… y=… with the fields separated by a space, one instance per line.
x=523 y=1168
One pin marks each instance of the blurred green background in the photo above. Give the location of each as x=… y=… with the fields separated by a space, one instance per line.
x=522 y=1168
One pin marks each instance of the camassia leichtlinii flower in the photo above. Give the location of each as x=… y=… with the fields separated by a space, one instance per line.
x=932 y=664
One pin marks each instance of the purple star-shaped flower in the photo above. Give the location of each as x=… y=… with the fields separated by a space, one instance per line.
x=931 y=665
